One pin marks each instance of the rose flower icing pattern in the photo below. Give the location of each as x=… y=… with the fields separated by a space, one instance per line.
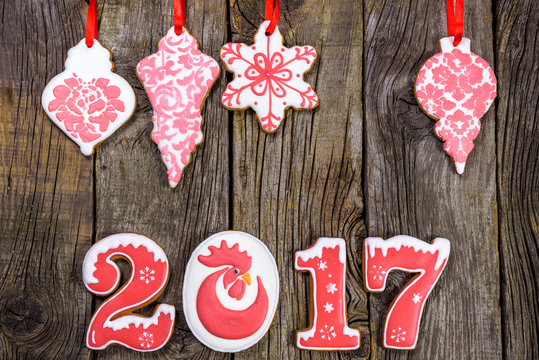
x=87 y=101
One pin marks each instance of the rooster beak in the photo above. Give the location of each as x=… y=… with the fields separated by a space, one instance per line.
x=247 y=278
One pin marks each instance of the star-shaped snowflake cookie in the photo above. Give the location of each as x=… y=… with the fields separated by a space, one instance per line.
x=177 y=79
x=268 y=77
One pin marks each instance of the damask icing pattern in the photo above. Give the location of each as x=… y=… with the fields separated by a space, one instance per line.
x=177 y=79
x=456 y=87
x=268 y=77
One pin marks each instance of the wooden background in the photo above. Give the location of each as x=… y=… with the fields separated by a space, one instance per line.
x=365 y=162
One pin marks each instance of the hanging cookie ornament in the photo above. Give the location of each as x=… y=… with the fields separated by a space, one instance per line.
x=456 y=87
x=87 y=101
x=177 y=79
x=268 y=77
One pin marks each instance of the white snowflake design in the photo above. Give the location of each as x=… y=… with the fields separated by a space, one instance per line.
x=331 y=288
x=398 y=334
x=416 y=298
x=328 y=333
x=322 y=265
x=377 y=272
x=328 y=307
x=146 y=340
x=147 y=275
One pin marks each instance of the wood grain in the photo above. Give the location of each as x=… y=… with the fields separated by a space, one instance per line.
x=304 y=181
x=518 y=173
x=411 y=186
x=132 y=190
x=46 y=206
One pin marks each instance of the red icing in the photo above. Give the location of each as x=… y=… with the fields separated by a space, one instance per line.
x=226 y=323
x=148 y=278
x=329 y=308
x=403 y=318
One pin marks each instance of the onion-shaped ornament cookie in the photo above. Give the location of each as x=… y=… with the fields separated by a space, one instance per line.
x=456 y=87
x=87 y=101
x=177 y=79
x=268 y=76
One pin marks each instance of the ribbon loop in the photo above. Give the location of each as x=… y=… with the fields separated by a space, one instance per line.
x=455 y=20
x=272 y=14
x=91 y=24
x=179 y=16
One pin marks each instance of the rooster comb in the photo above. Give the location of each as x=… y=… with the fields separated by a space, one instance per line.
x=225 y=255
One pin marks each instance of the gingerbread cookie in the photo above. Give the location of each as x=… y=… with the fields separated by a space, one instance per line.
x=404 y=253
x=230 y=291
x=87 y=101
x=177 y=80
x=456 y=87
x=114 y=321
x=326 y=261
x=268 y=77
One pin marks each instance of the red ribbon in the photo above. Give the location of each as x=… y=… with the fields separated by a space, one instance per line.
x=179 y=16
x=455 y=20
x=91 y=24
x=272 y=14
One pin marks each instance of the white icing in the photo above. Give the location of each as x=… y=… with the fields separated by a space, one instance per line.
x=115 y=241
x=263 y=265
x=90 y=63
x=315 y=251
x=125 y=321
x=460 y=167
x=446 y=44
x=249 y=77
x=322 y=243
x=440 y=245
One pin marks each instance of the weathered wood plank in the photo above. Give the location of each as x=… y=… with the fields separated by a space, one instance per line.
x=518 y=173
x=46 y=206
x=132 y=190
x=412 y=188
x=304 y=181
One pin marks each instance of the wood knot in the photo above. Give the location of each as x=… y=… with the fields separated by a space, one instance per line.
x=23 y=316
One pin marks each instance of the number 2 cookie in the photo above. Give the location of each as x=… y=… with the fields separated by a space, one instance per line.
x=114 y=322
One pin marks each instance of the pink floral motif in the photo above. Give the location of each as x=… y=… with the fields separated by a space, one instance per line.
x=456 y=87
x=268 y=77
x=177 y=79
x=86 y=107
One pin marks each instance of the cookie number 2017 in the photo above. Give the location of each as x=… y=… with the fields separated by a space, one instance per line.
x=113 y=322
x=326 y=261
x=404 y=253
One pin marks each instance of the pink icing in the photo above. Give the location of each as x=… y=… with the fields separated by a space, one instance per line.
x=456 y=87
x=86 y=107
x=177 y=79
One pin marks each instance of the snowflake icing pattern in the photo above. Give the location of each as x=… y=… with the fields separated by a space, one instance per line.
x=268 y=77
x=377 y=272
x=146 y=340
x=416 y=298
x=328 y=333
x=397 y=335
x=331 y=288
x=147 y=275
x=328 y=307
x=322 y=265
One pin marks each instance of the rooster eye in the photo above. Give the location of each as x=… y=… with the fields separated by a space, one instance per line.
x=236 y=271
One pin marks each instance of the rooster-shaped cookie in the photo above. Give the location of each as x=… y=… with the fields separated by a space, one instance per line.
x=230 y=291
x=217 y=319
